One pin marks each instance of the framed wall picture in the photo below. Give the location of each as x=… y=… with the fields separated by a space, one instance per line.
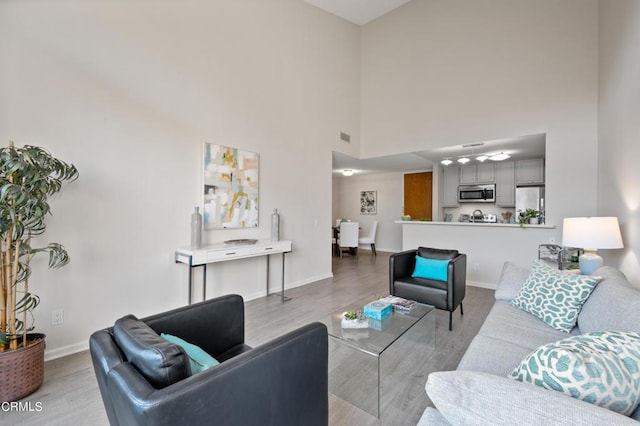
x=368 y=202
x=230 y=183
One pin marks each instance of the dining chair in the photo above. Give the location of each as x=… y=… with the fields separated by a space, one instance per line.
x=371 y=238
x=348 y=237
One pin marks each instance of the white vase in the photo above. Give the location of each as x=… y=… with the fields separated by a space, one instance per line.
x=533 y=221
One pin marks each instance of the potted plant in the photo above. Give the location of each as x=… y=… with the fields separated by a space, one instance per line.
x=526 y=216
x=28 y=177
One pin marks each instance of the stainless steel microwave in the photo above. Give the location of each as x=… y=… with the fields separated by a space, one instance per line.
x=477 y=193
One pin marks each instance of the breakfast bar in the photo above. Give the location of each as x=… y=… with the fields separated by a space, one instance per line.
x=487 y=245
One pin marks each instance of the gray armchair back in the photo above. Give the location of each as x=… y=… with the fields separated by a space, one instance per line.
x=283 y=382
x=446 y=295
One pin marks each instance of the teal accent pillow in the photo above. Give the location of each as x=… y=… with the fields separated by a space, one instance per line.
x=554 y=296
x=601 y=368
x=198 y=359
x=432 y=269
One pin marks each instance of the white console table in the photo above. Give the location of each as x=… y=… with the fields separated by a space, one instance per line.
x=225 y=252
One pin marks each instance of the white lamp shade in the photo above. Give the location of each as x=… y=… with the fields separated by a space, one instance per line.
x=592 y=232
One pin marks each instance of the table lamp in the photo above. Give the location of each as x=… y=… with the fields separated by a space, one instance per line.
x=591 y=234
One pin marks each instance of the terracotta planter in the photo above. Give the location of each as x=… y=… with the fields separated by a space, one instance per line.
x=22 y=369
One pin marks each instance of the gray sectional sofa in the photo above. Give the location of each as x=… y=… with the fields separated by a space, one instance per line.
x=479 y=391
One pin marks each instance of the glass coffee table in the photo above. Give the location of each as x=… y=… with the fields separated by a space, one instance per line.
x=357 y=367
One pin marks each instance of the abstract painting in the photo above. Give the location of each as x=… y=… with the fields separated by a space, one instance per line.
x=230 y=187
x=367 y=202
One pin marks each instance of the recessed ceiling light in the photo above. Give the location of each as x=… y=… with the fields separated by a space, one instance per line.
x=463 y=160
x=481 y=158
x=446 y=162
x=499 y=157
x=347 y=172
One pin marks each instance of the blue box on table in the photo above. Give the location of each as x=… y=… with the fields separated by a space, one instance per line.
x=378 y=310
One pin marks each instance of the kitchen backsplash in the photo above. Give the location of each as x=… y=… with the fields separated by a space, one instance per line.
x=486 y=208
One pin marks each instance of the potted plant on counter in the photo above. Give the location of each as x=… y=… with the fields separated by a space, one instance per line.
x=528 y=216
x=28 y=177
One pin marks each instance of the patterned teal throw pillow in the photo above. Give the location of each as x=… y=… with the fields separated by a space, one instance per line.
x=554 y=296
x=601 y=368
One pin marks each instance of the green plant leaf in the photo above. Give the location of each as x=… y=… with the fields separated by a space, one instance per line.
x=29 y=175
x=28 y=302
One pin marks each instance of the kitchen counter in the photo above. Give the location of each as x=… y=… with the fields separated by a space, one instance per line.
x=490 y=225
x=487 y=245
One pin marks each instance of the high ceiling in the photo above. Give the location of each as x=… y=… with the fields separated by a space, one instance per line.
x=358 y=11
x=522 y=147
x=363 y=11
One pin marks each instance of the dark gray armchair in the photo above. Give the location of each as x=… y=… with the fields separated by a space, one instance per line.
x=283 y=382
x=446 y=295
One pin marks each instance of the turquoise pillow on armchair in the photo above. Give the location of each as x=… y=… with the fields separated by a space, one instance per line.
x=432 y=269
x=199 y=360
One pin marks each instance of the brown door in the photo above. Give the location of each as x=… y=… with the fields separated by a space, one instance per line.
x=417 y=195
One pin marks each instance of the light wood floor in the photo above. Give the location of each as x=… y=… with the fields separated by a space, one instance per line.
x=70 y=396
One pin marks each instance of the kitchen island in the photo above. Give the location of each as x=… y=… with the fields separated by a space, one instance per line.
x=487 y=245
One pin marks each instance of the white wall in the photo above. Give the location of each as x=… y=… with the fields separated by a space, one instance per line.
x=128 y=91
x=346 y=204
x=443 y=72
x=619 y=131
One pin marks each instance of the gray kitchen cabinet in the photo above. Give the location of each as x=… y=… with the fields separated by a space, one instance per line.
x=530 y=171
x=486 y=173
x=477 y=173
x=468 y=174
x=450 y=177
x=505 y=184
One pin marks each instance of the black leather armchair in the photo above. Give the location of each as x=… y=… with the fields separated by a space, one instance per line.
x=446 y=295
x=283 y=382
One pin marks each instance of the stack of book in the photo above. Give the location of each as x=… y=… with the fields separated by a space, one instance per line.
x=399 y=304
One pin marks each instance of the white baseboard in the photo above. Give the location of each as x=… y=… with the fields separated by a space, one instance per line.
x=311 y=280
x=65 y=350
x=274 y=289
x=482 y=285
